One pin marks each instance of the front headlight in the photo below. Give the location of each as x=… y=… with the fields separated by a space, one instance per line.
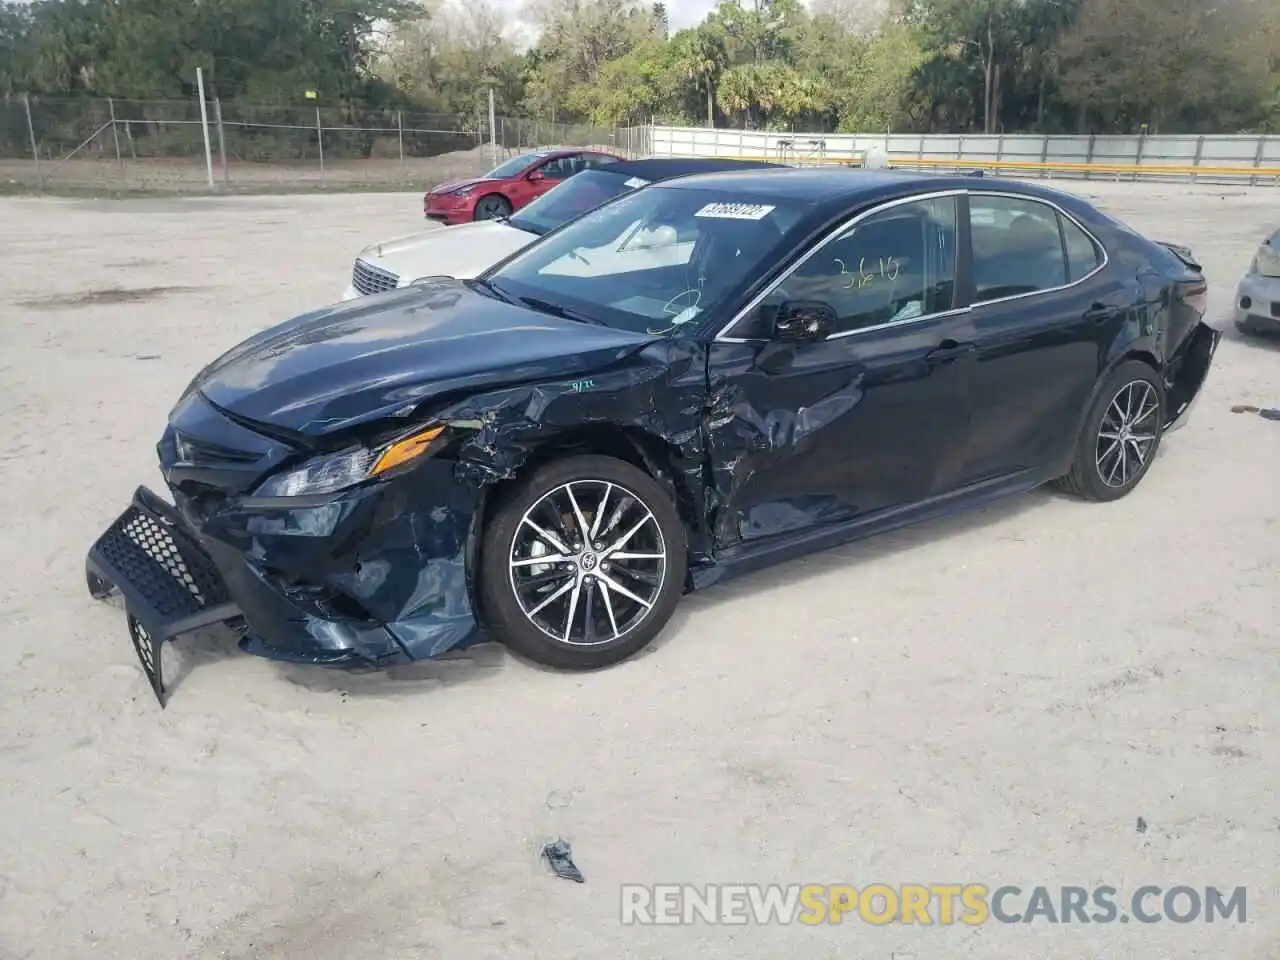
x=435 y=279
x=337 y=471
x=463 y=191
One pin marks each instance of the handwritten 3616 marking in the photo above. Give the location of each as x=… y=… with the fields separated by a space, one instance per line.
x=889 y=269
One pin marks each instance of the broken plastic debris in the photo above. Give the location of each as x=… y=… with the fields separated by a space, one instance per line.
x=560 y=856
x=1267 y=413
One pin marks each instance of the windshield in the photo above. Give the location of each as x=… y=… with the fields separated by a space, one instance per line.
x=514 y=166
x=651 y=261
x=574 y=197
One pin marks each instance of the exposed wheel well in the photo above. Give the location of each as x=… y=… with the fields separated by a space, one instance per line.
x=1143 y=356
x=642 y=450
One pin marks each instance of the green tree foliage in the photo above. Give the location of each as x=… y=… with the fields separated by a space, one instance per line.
x=149 y=49
x=866 y=65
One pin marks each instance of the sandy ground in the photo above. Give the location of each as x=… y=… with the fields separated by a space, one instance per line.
x=996 y=698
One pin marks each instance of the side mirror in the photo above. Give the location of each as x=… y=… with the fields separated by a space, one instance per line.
x=537 y=175
x=804 y=321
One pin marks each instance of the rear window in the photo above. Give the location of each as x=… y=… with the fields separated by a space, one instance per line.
x=578 y=194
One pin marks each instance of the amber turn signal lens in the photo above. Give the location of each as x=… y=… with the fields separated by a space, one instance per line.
x=402 y=451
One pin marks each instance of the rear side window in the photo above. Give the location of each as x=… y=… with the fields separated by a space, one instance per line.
x=1017 y=247
x=1083 y=255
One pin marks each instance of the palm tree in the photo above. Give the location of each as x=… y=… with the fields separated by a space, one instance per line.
x=701 y=60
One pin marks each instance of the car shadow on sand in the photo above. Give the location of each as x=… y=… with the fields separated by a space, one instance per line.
x=489 y=657
x=850 y=557
x=1267 y=342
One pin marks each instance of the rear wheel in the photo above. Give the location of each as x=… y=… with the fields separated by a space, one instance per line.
x=1121 y=435
x=584 y=564
x=492 y=207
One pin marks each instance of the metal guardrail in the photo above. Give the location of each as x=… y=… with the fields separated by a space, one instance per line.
x=1133 y=169
x=1252 y=159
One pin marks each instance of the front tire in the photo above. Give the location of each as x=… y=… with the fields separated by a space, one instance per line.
x=492 y=207
x=583 y=565
x=1121 y=435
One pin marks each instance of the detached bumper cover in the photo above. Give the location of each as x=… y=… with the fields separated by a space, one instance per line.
x=168 y=581
x=1194 y=360
x=268 y=573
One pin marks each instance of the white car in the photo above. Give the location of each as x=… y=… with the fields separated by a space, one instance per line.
x=1258 y=295
x=465 y=251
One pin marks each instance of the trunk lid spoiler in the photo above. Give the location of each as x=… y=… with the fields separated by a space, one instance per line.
x=1182 y=253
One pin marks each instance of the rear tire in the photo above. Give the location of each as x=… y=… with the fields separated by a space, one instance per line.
x=492 y=206
x=597 y=598
x=1121 y=435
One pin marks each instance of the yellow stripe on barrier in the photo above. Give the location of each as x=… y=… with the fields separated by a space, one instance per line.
x=1145 y=169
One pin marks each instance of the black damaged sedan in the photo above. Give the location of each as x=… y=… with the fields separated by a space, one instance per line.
x=701 y=377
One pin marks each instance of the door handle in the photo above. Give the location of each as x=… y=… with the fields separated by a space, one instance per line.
x=949 y=350
x=1100 y=313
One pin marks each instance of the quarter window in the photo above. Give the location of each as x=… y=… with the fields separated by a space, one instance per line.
x=1017 y=248
x=895 y=265
x=1082 y=253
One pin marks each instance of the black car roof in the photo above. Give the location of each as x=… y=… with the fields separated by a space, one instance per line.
x=664 y=168
x=851 y=185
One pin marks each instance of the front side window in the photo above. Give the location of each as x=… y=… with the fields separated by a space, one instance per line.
x=1017 y=247
x=898 y=264
x=561 y=168
x=656 y=260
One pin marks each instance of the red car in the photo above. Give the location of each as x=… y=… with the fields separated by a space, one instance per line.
x=509 y=186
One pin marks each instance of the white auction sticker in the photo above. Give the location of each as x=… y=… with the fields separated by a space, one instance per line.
x=636 y=182
x=735 y=211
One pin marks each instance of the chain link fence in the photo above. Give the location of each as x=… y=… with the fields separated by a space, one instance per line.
x=164 y=145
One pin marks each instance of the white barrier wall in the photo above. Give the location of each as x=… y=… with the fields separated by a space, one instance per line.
x=1225 y=159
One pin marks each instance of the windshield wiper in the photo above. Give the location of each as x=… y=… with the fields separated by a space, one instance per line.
x=493 y=289
x=524 y=225
x=546 y=306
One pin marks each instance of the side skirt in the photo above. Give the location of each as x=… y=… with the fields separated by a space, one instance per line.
x=774 y=550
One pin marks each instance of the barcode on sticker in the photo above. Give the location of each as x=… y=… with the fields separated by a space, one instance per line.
x=735 y=211
x=636 y=182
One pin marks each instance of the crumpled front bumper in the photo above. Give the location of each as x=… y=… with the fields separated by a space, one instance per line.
x=361 y=578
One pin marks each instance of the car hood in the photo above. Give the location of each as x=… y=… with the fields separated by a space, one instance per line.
x=383 y=355
x=459 y=184
x=463 y=251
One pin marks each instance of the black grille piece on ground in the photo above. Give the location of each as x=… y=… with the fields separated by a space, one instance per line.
x=169 y=583
x=368 y=279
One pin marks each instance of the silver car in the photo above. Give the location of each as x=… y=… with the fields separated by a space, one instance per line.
x=1258 y=296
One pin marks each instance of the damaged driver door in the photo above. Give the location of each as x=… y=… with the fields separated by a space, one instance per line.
x=843 y=392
